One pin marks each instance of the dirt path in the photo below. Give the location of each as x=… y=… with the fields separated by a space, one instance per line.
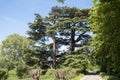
x=91 y=77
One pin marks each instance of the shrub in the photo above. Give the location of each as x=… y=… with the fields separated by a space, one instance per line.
x=61 y=74
x=50 y=72
x=67 y=73
x=21 y=71
x=3 y=74
x=49 y=75
x=118 y=75
x=80 y=62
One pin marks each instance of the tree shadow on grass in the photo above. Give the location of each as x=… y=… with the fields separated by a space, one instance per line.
x=113 y=78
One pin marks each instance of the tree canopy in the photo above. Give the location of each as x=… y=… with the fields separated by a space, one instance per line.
x=104 y=22
x=14 y=48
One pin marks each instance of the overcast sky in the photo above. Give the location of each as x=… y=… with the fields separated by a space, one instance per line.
x=16 y=14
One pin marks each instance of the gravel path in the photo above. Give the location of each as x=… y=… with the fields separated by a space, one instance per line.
x=91 y=77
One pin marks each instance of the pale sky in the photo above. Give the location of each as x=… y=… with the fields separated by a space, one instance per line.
x=16 y=14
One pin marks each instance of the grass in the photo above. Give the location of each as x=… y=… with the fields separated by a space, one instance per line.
x=12 y=76
x=52 y=78
x=48 y=76
x=109 y=77
x=78 y=77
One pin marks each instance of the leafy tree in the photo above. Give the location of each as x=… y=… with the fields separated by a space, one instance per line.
x=13 y=50
x=3 y=74
x=105 y=24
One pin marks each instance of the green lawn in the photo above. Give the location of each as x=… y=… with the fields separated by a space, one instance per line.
x=49 y=76
x=12 y=76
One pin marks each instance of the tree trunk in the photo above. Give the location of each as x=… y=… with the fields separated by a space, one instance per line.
x=72 y=39
x=54 y=51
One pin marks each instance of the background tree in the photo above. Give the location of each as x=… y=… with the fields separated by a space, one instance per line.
x=13 y=50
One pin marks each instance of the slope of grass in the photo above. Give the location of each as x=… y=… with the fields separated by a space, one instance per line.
x=109 y=77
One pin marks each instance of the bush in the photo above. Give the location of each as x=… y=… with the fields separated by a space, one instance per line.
x=3 y=74
x=50 y=72
x=118 y=75
x=68 y=73
x=80 y=62
x=49 y=75
x=73 y=72
x=21 y=71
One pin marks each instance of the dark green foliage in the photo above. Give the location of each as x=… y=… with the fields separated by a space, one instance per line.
x=21 y=71
x=38 y=33
x=106 y=44
x=109 y=77
x=30 y=58
x=42 y=53
x=37 y=29
x=72 y=27
x=50 y=74
x=7 y=64
x=3 y=74
x=78 y=61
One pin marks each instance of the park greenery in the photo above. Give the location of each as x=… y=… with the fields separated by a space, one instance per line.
x=70 y=39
